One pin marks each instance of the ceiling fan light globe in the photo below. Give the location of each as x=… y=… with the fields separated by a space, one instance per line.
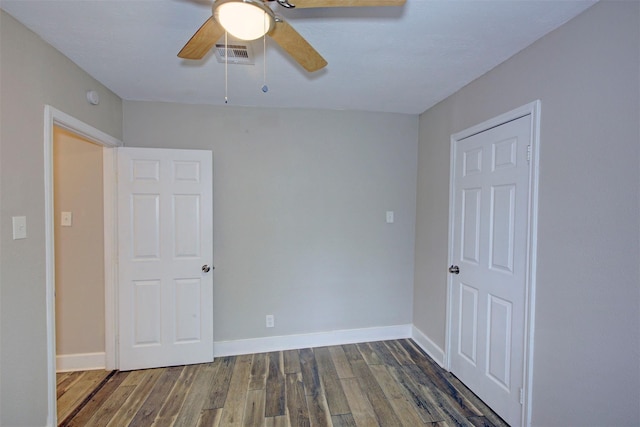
x=244 y=19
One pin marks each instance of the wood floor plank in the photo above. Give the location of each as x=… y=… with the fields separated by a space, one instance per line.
x=405 y=409
x=254 y=409
x=233 y=411
x=368 y=353
x=135 y=378
x=258 y=376
x=138 y=396
x=385 y=414
x=389 y=385
x=318 y=410
x=97 y=400
x=296 y=401
x=344 y=420
x=481 y=422
x=336 y=400
x=482 y=407
x=399 y=352
x=291 y=361
x=280 y=421
x=361 y=410
x=154 y=401
x=316 y=402
x=439 y=380
x=352 y=353
x=60 y=376
x=210 y=418
x=444 y=404
x=384 y=353
x=343 y=368
x=309 y=369
x=65 y=381
x=197 y=396
x=77 y=391
x=220 y=386
x=407 y=413
x=426 y=410
x=110 y=407
x=275 y=387
x=174 y=400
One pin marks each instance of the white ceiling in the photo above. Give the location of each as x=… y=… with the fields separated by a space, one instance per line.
x=394 y=59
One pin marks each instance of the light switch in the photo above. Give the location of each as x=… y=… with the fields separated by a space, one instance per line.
x=19 y=227
x=389 y=217
x=65 y=219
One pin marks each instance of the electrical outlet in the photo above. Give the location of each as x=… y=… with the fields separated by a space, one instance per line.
x=389 y=217
x=270 y=321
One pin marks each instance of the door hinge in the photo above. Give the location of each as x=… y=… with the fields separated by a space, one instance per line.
x=528 y=153
x=522 y=396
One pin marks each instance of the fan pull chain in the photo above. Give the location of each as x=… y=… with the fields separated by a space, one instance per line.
x=265 y=88
x=226 y=64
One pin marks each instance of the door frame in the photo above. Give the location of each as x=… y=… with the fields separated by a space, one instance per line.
x=54 y=117
x=533 y=111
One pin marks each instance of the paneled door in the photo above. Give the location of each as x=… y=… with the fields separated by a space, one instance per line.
x=488 y=274
x=165 y=249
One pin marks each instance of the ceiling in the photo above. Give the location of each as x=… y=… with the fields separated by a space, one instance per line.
x=390 y=59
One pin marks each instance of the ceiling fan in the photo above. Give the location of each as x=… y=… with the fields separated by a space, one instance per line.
x=252 y=19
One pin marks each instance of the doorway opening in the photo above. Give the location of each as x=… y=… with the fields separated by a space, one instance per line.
x=53 y=119
x=79 y=268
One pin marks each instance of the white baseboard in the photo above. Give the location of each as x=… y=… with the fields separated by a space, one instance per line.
x=319 y=339
x=80 y=362
x=425 y=343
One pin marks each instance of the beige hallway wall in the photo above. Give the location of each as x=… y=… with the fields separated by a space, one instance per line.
x=79 y=249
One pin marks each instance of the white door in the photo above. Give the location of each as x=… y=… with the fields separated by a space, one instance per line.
x=165 y=237
x=488 y=295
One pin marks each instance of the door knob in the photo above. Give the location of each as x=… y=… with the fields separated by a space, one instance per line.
x=454 y=269
x=206 y=268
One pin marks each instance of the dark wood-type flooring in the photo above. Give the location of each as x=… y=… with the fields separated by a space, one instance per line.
x=386 y=383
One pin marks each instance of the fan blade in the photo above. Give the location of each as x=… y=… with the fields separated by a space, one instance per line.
x=202 y=41
x=303 y=4
x=296 y=46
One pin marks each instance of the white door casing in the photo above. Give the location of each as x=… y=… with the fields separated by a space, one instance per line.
x=165 y=229
x=489 y=235
x=54 y=117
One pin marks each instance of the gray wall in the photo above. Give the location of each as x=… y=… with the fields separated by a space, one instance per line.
x=32 y=74
x=299 y=212
x=79 y=249
x=587 y=331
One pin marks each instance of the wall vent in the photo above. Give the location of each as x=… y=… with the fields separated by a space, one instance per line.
x=235 y=53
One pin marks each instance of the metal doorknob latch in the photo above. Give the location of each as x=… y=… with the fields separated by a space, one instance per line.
x=206 y=268
x=454 y=269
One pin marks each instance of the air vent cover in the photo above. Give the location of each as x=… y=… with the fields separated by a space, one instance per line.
x=235 y=53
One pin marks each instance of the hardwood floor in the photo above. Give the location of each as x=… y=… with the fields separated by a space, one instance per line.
x=72 y=388
x=386 y=383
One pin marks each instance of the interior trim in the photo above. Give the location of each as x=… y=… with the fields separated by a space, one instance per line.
x=80 y=362
x=318 y=339
x=431 y=348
